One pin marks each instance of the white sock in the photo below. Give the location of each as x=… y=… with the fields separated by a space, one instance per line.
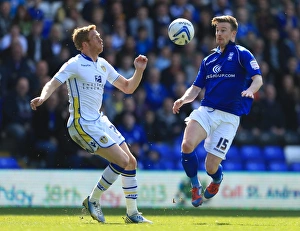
x=107 y=179
x=129 y=185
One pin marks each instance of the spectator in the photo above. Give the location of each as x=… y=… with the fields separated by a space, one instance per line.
x=273 y=122
x=97 y=18
x=245 y=25
x=115 y=13
x=141 y=19
x=23 y=20
x=144 y=44
x=35 y=11
x=129 y=106
x=17 y=64
x=257 y=49
x=167 y=74
x=153 y=160
x=161 y=18
x=291 y=41
x=264 y=18
x=5 y=17
x=222 y=7
x=126 y=68
x=170 y=125
x=133 y=131
x=178 y=7
x=151 y=126
x=140 y=102
x=191 y=69
x=274 y=53
x=88 y=11
x=14 y=34
x=17 y=117
x=36 y=42
x=188 y=53
x=114 y=103
x=128 y=49
x=164 y=57
x=155 y=90
x=119 y=34
x=288 y=93
x=41 y=73
x=293 y=69
x=204 y=27
x=53 y=46
x=47 y=126
x=286 y=19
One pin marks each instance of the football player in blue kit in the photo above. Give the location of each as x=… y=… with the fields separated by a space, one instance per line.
x=85 y=76
x=230 y=77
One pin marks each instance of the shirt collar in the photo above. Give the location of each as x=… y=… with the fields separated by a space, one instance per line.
x=87 y=57
x=218 y=50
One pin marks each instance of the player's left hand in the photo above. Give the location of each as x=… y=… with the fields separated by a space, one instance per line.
x=247 y=93
x=140 y=62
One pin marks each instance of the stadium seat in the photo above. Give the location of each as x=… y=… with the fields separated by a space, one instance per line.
x=234 y=165
x=255 y=166
x=176 y=150
x=201 y=164
x=273 y=153
x=277 y=166
x=201 y=152
x=295 y=167
x=163 y=149
x=251 y=152
x=292 y=153
x=8 y=163
x=234 y=150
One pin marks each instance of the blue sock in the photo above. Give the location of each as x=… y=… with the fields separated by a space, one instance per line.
x=190 y=165
x=218 y=175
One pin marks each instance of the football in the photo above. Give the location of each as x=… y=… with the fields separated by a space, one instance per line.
x=181 y=31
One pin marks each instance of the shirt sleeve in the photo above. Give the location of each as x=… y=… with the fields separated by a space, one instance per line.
x=67 y=70
x=112 y=73
x=250 y=63
x=201 y=76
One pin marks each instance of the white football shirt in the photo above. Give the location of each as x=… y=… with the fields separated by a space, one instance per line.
x=85 y=81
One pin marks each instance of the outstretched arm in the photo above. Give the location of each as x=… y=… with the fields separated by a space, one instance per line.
x=190 y=94
x=254 y=87
x=128 y=86
x=48 y=89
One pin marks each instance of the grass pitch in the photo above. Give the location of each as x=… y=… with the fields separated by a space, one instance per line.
x=61 y=219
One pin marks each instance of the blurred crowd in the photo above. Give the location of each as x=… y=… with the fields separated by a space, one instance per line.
x=35 y=40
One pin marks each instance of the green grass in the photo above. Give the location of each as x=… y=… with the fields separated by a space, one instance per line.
x=61 y=219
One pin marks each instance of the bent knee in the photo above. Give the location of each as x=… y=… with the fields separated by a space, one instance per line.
x=187 y=147
x=123 y=162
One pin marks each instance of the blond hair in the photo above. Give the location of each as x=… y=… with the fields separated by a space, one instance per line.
x=225 y=18
x=81 y=35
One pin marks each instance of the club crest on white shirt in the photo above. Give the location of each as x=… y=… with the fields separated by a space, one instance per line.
x=103 y=139
x=98 y=78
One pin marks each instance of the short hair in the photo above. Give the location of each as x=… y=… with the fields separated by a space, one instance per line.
x=225 y=18
x=81 y=34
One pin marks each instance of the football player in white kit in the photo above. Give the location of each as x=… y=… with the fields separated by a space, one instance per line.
x=85 y=76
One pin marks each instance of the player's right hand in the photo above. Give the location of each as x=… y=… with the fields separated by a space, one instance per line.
x=177 y=105
x=34 y=103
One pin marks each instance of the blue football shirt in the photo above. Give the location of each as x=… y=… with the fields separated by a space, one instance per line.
x=224 y=75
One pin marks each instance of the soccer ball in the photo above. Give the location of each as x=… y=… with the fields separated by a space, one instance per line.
x=181 y=31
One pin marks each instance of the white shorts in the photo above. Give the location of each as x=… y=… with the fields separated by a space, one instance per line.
x=220 y=127
x=91 y=135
